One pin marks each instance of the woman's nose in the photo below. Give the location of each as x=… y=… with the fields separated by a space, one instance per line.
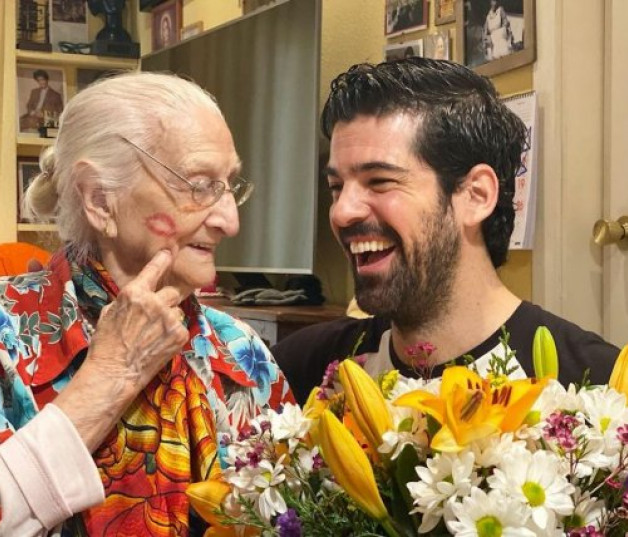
x=224 y=215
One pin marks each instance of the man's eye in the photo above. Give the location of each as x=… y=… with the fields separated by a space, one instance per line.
x=380 y=183
x=335 y=189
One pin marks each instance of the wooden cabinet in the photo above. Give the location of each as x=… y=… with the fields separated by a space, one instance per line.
x=273 y=323
x=14 y=146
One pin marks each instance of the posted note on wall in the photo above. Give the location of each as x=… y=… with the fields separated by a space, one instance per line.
x=524 y=105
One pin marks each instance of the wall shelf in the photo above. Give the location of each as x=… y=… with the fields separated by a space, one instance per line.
x=87 y=61
x=37 y=227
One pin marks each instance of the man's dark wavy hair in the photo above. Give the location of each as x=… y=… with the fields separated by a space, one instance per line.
x=463 y=123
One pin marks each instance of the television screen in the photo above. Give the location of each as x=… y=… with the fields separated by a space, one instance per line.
x=263 y=69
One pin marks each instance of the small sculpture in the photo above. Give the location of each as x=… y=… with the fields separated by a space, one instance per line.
x=113 y=39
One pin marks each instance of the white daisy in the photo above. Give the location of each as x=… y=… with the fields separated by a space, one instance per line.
x=606 y=410
x=410 y=427
x=290 y=425
x=445 y=477
x=490 y=451
x=487 y=515
x=270 y=501
x=538 y=480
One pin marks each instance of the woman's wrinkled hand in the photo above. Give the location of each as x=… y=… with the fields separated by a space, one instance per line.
x=135 y=338
x=141 y=330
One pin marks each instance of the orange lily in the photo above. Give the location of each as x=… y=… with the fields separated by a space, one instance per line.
x=469 y=407
x=619 y=376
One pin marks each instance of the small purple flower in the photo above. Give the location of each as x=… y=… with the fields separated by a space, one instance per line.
x=560 y=428
x=330 y=374
x=622 y=434
x=289 y=524
x=317 y=462
x=589 y=531
x=265 y=426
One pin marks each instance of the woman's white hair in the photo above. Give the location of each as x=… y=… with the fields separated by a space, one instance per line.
x=134 y=105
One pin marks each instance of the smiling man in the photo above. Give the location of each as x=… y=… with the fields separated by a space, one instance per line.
x=422 y=165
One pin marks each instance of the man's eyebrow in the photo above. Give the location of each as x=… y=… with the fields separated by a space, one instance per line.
x=375 y=165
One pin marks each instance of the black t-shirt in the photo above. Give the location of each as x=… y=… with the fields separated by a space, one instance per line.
x=304 y=355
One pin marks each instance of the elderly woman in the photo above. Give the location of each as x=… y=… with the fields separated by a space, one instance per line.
x=117 y=387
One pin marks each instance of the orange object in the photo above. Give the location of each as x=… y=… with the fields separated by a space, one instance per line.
x=14 y=257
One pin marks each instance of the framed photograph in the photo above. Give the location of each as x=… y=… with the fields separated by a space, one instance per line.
x=437 y=46
x=41 y=96
x=404 y=50
x=493 y=36
x=166 y=24
x=27 y=169
x=444 y=11
x=68 y=25
x=148 y=5
x=405 y=16
x=191 y=30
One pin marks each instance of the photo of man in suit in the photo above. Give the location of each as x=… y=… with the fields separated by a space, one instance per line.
x=43 y=106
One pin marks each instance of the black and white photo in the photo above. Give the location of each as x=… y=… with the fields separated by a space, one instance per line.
x=40 y=96
x=405 y=16
x=494 y=36
x=404 y=50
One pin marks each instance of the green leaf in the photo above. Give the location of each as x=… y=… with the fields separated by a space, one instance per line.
x=403 y=473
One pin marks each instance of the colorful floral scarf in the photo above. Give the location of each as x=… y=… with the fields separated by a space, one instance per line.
x=165 y=439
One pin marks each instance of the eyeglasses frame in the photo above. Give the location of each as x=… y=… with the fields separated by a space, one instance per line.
x=243 y=183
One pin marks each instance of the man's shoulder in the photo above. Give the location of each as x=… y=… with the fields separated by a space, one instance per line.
x=340 y=335
x=578 y=348
x=305 y=355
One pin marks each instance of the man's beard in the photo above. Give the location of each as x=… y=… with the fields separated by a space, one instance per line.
x=418 y=288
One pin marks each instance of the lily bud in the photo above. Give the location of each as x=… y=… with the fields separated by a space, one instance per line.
x=619 y=376
x=367 y=404
x=544 y=355
x=350 y=466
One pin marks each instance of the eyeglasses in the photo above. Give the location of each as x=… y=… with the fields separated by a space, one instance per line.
x=205 y=192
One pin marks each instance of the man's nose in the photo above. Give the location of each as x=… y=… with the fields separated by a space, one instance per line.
x=350 y=207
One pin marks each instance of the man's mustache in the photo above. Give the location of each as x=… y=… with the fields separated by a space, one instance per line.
x=347 y=234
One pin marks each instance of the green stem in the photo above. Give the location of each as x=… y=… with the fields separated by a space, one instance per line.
x=387 y=524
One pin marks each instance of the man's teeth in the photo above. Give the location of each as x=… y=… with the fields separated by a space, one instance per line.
x=369 y=246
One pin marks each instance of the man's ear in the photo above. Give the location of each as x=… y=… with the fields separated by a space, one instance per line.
x=97 y=205
x=478 y=195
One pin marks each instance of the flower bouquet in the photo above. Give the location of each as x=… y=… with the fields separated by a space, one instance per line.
x=464 y=455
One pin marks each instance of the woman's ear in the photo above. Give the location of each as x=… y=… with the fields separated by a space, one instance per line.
x=97 y=205
x=478 y=195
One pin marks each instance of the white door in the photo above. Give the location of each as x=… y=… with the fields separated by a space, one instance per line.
x=615 y=187
x=581 y=77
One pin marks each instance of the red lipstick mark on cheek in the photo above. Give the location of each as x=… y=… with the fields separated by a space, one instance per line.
x=161 y=225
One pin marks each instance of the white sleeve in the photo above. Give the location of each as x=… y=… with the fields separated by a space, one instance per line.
x=46 y=475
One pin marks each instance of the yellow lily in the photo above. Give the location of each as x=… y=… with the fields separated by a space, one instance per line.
x=619 y=376
x=206 y=497
x=313 y=408
x=366 y=402
x=352 y=469
x=469 y=407
x=544 y=354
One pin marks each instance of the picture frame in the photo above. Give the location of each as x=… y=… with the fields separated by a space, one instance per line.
x=403 y=50
x=33 y=115
x=148 y=5
x=166 y=24
x=437 y=46
x=191 y=30
x=444 y=11
x=404 y=16
x=511 y=43
x=68 y=26
x=27 y=170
